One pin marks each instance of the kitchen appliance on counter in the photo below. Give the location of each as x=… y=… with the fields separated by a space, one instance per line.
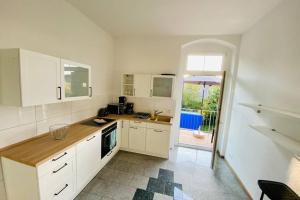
x=116 y=108
x=120 y=108
x=122 y=100
x=129 y=108
x=109 y=140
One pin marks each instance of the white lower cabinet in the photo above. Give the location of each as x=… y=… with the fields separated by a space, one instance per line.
x=88 y=158
x=146 y=138
x=52 y=180
x=157 y=142
x=137 y=138
x=57 y=176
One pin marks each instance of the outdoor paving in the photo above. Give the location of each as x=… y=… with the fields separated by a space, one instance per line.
x=186 y=137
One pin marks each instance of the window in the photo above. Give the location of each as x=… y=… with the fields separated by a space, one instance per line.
x=204 y=63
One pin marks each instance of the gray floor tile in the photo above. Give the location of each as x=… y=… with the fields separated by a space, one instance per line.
x=87 y=196
x=127 y=177
x=143 y=195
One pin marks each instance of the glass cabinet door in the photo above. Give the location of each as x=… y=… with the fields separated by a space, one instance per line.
x=162 y=86
x=76 y=80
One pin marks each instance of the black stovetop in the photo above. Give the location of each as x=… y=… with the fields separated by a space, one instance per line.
x=90 y=122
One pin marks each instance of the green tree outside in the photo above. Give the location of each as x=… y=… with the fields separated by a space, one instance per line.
x=192 y=100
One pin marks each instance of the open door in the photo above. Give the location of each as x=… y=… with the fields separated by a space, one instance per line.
x=214 y=152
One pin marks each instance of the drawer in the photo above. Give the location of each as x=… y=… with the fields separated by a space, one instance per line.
x=58 y=174
x=137 y=123
x=56 y=161
x=64 y=190
x=159 y=126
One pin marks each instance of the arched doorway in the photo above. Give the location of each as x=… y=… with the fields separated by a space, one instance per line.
x=208 y=47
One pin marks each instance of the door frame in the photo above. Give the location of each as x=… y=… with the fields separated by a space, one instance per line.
x=217 y=125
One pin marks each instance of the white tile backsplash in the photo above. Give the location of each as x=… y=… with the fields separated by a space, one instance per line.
x=167 y=106
x=49 y=111
x=15 y=116
x=16 y=134
x=19 y=123
x=43 y=126
x=81 y=115
x=81 y=105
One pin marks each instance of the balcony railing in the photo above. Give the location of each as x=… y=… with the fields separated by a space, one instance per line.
x=202 y=120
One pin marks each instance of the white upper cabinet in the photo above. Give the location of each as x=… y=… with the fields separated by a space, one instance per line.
x=28 y=78
x=146 y=85
x=162 y=86
x=76 y=80
x=142 y=84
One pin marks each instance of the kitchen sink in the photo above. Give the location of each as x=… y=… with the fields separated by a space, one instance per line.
x=161 y=118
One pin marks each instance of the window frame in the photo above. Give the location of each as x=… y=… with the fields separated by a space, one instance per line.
x=205 y=54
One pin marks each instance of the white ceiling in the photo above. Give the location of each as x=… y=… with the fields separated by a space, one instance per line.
x=174 y=17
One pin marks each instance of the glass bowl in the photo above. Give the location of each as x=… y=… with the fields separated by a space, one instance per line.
x=59 y=131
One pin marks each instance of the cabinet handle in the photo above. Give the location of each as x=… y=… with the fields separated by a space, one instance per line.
x=122 y=124
x=55 y=159
x=158 y=131
x=59 y=97
x=151 y=93
x=55 y=171
x=91 y=92
x=61 y=190
x=134 y=127
x=91 y=138
x=134 y=92
x=138 y=122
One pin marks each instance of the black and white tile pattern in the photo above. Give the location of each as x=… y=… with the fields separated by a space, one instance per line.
x=163 y=185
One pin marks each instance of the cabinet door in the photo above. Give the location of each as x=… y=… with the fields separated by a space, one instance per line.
x=142 y=85
x=125 y=134
x=137 y=138
x=76 y=80
x=88 y=159
x=40 y=78
x=162 y=86
x=157 y=142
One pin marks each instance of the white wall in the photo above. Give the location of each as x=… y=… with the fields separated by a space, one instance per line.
x=54 y=28
x=268 y=74
x=154 y=55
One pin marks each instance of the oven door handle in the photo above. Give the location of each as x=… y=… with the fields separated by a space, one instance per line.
x=109 y=153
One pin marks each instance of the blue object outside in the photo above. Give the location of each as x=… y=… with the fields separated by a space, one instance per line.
x=190 y=120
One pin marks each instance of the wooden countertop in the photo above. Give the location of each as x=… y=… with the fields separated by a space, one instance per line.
x=37 y=150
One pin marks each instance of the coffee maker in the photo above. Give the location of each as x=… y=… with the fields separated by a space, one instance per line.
x=122 y=100
x=129 y=108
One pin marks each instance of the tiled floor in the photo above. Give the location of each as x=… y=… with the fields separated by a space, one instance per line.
x=187 y=137
x=186 y=175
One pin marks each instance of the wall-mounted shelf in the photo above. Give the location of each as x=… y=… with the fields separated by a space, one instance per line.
x=280 y=139
x=260 y=108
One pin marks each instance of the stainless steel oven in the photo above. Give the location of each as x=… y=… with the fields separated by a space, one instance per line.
x=109 y=140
